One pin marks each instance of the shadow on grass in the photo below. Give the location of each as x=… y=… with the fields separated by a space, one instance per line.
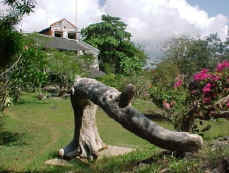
x=11 y=139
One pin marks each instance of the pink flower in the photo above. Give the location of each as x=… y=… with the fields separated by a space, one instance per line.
x=227 y=104
x=204 y=70
x=206 y=100
x=202 y=75
x=166 y=105
x=178 y=83
x=214 y=77
x=221 y=66
x=207 y=88
x=194 y=91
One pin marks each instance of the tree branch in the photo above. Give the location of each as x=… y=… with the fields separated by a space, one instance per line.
x=126 y=96
x=14 y=65
x=221 y=114
x=109 y=100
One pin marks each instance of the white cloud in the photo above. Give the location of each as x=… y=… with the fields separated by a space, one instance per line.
x=150 y=21
x=154 y=21
x=48 y=12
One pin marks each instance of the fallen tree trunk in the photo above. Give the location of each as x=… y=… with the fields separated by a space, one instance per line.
x=117 y=106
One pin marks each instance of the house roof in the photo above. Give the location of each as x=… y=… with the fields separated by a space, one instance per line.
x=44 y=30
x=62 y=21
x=66 y=44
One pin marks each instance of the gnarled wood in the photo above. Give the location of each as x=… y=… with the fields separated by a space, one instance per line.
x=126 y=96
x=86 y=141
x=109 y=100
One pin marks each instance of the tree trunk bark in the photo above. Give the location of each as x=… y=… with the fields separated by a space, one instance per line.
x=117 y=106
x=86 y=141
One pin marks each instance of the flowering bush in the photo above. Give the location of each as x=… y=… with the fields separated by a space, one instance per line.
x=208 y=87
x=203 y=98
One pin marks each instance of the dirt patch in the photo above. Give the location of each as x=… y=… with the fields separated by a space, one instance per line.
x=114 y=151
x=108 y=151
x=58 y=162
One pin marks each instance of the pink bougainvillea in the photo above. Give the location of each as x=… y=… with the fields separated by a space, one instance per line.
x=214 y=77
x=207 y=88
x=202 y=75
x=207 y=100
x=227 y=104
x=166 y=105
x=221 y=66
x=178 y=83
x=211 y=85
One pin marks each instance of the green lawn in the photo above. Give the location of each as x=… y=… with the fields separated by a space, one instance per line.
x=35 y=130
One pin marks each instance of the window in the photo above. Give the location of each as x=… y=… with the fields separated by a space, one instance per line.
x=58 y=34
x=72 y=35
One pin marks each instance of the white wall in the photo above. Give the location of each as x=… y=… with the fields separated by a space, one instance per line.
x=64 y=27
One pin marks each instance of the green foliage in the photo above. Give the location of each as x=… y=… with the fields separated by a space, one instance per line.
x=164 y=74
x=108 y=79
x=110 y=37
x=30 y=71
x=131 y=65
x=5 y=99
x=11 y=50
x=10 y=40
x=62 y=63
x=17 y=8
x=191 y=55
x=141 y=81
x=11 y=45
x=63 y=66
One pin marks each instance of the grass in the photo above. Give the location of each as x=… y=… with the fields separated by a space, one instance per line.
x=35 y=130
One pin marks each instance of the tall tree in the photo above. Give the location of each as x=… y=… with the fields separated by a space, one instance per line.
x=11 y=47
x=114 y=42
x=10 y=40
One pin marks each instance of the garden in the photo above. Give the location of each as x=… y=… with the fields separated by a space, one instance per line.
x=44 y=93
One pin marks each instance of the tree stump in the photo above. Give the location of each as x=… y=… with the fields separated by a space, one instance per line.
x=86 y=141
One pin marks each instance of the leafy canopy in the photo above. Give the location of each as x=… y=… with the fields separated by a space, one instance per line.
x=114 y=42
x=14 y=59
x=11 y=40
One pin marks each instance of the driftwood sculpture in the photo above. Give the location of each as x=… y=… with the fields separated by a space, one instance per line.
x=86 y=140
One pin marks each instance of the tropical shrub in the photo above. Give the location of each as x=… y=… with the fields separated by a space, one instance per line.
x=63 y=66
x=204 y=98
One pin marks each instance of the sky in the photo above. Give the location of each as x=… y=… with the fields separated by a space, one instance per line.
x=151 y=22
x=213 y=7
